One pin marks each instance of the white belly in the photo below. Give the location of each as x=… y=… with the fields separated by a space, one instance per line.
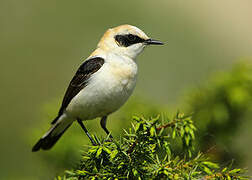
x=108 y=89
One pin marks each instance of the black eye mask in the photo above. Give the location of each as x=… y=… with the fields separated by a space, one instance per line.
x=128 y=40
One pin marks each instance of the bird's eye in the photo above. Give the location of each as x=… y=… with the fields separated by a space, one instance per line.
x=131 y=37
x=127 y=40
x=119 y=40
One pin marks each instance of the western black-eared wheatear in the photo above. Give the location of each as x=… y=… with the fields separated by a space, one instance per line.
x=102 y=84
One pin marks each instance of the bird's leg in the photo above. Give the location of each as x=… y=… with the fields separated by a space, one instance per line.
x=103 y=125
x=86 y=131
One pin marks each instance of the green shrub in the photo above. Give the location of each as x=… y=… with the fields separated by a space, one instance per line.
x=146 y=152
x=220 y=108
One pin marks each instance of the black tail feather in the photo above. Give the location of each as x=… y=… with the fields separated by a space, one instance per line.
x=49 y=140
x=56 y=119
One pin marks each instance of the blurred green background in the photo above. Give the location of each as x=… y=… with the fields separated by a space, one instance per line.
x=41 y=43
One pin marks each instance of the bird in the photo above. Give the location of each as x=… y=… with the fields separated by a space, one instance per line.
x=102 y=83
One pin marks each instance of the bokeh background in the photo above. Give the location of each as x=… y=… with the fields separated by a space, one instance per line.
x=204 y=67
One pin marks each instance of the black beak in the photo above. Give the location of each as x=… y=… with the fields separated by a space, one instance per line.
x=152 y=41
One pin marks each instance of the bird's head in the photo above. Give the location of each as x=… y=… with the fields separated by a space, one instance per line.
x=126 y=40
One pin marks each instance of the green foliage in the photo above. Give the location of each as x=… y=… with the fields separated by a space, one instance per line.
x=146 y=152
x=219 y=109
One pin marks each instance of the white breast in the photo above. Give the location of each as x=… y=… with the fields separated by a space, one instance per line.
x=108 y=89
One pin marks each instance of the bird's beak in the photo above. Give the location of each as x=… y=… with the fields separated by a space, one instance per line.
x=152 y=41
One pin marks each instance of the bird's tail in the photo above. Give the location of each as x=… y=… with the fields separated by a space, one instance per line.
x=53 y=134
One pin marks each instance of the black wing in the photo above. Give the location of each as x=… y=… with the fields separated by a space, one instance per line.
x=79 y=81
